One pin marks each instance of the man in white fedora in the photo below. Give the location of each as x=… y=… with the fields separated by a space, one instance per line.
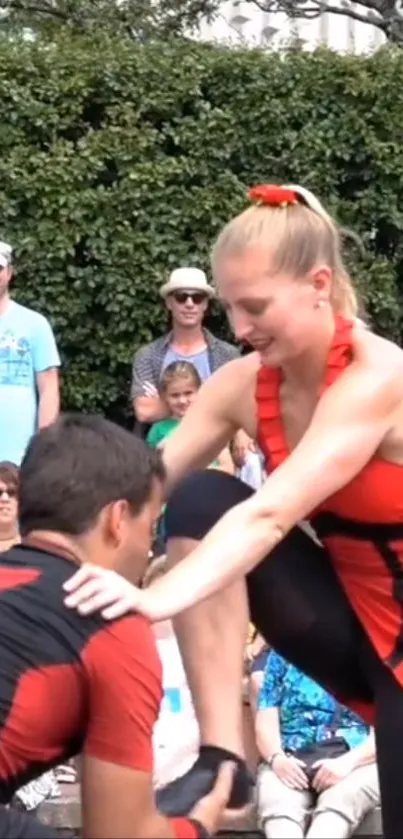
x=186 y=296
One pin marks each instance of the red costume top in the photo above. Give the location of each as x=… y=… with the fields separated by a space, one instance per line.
x=69 y=684
x=361 y=525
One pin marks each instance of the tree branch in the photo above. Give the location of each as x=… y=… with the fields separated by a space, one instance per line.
x=16 y=5
x=299 y=10
x=373 y=18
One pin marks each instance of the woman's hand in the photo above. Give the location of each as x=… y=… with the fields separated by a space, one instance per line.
x=93 y=589
x=331 y=771
x=211 y=809
x=291 y=772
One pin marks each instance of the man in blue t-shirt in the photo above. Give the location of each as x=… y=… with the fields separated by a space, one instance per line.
x=29 y=361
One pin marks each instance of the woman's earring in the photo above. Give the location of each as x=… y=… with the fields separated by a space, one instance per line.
x=320 y=304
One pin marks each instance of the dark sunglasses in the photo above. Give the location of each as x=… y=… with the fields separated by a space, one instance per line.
x=197 y=297
x=12 y=492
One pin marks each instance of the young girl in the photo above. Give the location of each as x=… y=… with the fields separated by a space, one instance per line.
x=179 y=384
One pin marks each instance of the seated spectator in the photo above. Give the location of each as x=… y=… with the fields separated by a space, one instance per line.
x=318 y=777
x=176 y=737
x=74 y=684
x=257 y=651
x=248 y=464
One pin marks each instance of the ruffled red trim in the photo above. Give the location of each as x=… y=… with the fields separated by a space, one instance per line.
x=271 y=435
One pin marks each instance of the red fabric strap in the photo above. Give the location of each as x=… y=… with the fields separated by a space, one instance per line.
x=186 y=828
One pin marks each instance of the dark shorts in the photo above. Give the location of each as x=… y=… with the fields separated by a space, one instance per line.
x=296 y=601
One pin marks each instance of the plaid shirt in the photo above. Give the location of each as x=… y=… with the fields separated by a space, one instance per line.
x=148 y=360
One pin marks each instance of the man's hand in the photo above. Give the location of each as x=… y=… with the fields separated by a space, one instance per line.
x=291 y=772
x=331 y=771
x=148 y=406
x=149 y=389
x=211 y=809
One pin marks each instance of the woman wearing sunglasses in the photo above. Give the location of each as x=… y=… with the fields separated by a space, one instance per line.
x=8 y=505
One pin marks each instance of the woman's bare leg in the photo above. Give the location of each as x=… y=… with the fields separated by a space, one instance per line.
x=212 y=639
x=296 y=603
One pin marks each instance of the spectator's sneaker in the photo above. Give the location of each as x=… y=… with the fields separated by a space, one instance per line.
x=178 y=797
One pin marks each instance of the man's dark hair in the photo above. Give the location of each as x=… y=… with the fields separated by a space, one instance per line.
x=76 y=467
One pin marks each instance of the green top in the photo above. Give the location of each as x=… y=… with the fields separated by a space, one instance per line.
x=163 y=428
x=160 y=430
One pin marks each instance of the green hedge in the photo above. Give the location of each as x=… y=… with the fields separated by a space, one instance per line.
x=119 y=162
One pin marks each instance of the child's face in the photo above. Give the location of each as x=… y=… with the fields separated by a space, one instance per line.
x=179 y=394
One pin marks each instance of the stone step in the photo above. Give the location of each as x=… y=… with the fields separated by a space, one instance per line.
x=64 y=815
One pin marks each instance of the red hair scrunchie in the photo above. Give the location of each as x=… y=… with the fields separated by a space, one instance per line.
x=272 y=195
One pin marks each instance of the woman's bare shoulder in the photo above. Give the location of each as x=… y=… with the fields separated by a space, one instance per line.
x=230 y=392
x=235 y=374
x=372 y=350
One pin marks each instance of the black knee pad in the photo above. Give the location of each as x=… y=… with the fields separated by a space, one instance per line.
x=200 y=500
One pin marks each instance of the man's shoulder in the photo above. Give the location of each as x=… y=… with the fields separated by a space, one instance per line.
x=122 y=658
x=130 y=638
x=32 y=586
x=223 y=349
x=27 y=315
x=153 y=347
x=50 y=568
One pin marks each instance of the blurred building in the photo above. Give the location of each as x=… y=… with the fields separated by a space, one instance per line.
x=244 y=23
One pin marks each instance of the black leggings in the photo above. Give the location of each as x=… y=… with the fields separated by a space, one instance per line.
x=298 y=605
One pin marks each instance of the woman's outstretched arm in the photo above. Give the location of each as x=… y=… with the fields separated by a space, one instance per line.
x=351 y=420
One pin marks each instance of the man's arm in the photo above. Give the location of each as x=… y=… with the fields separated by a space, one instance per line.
x=46 y=362
x=47 y=384
x=124 y=691
x=118 y=803
x=148 y=407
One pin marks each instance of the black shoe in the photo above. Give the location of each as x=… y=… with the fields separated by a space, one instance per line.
x=181 y=795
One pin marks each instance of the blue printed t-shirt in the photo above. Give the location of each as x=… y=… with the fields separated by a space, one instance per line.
x=27 y=347
x=200 y=360
x=306 y=711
